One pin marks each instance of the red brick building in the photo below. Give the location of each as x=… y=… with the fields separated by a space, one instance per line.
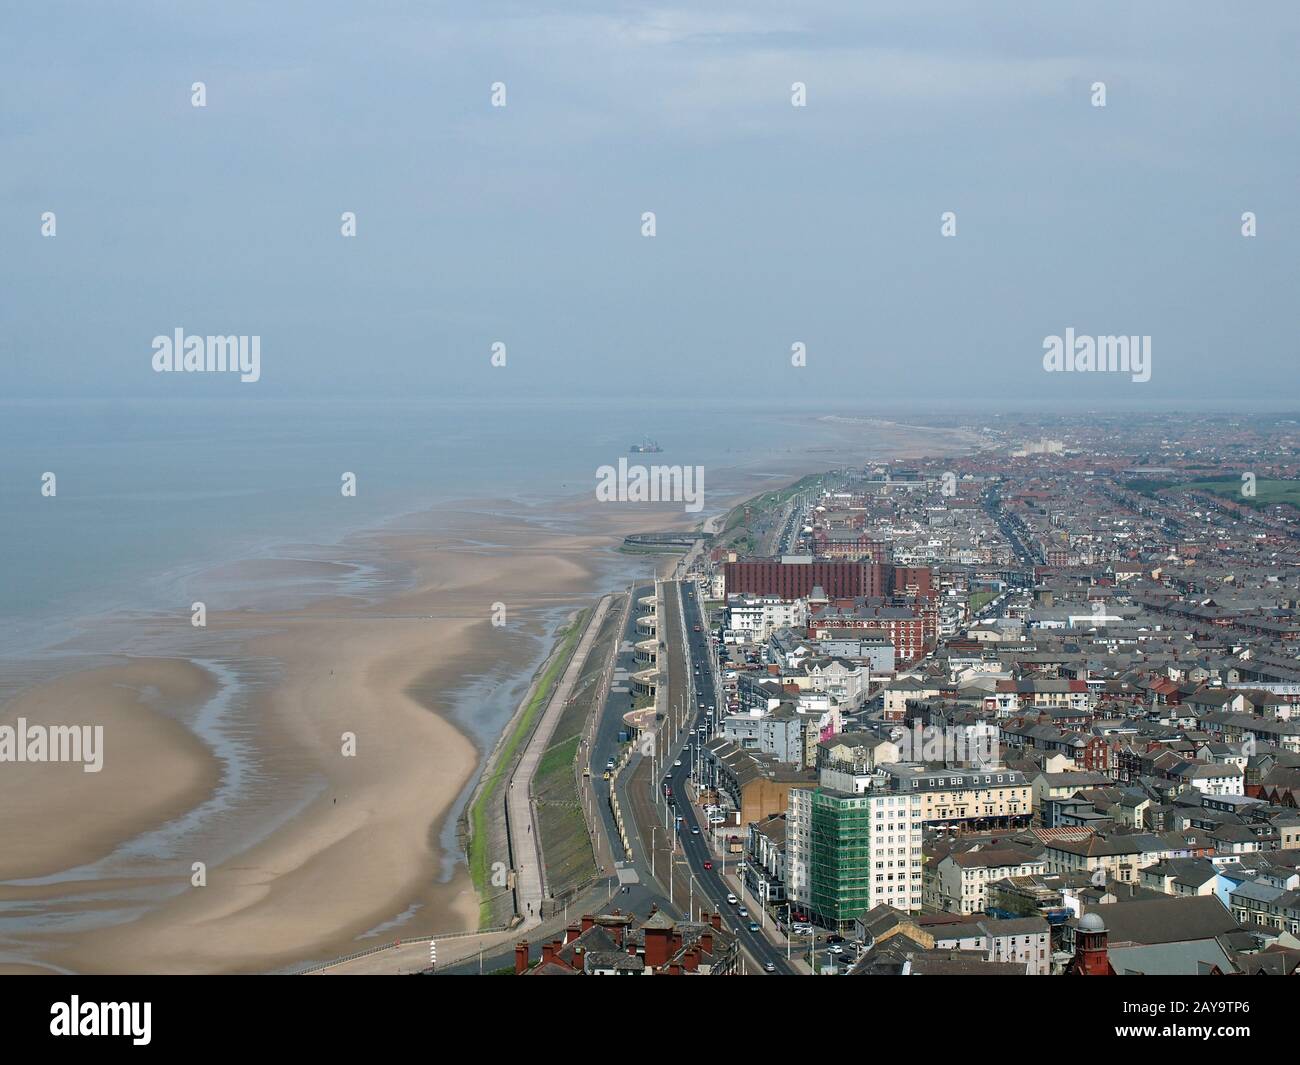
x=837 y=579
x=912 y=627
x=854 y=544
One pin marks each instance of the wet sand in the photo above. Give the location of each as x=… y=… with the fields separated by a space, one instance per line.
x=57 y=815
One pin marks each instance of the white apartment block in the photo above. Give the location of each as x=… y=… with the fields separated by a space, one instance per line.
x=756 y=617
x=895 y=872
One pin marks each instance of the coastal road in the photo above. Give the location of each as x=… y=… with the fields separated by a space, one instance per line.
x=712 y=525
x=690 y=884
x=605 y=743
x=696 y=846
x=525 y=841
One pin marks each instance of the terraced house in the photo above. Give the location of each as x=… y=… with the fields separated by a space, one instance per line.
x=965 y=799
x=961 y=879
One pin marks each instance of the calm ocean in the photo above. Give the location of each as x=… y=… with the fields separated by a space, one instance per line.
x=147 y=491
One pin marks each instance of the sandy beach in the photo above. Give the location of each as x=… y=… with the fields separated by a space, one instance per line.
x=321 y=849
x=153 y=768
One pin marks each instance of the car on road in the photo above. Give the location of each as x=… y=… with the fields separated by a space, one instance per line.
x=609 y=765
x=708 y=865
x=769 y=967
x=836 y=948
x=753 y=926
x=744 y=912
x=833 y=938
x=678 y=764
x=732 y=899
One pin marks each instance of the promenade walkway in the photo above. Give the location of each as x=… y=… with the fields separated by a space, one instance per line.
x=530 y=870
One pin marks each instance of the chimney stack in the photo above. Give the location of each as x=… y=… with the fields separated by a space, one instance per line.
x=658 y=947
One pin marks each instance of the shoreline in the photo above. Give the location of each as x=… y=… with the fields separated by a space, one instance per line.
x=316 y=880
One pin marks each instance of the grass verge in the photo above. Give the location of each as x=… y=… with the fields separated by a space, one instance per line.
x=476 y=854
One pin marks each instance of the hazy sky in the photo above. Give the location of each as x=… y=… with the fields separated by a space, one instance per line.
x=776 y=224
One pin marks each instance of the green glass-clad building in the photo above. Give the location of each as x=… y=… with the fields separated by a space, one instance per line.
x=839 y=859
x=850 y=851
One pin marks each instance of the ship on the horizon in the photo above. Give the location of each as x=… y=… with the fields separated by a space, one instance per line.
x=650 y=447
